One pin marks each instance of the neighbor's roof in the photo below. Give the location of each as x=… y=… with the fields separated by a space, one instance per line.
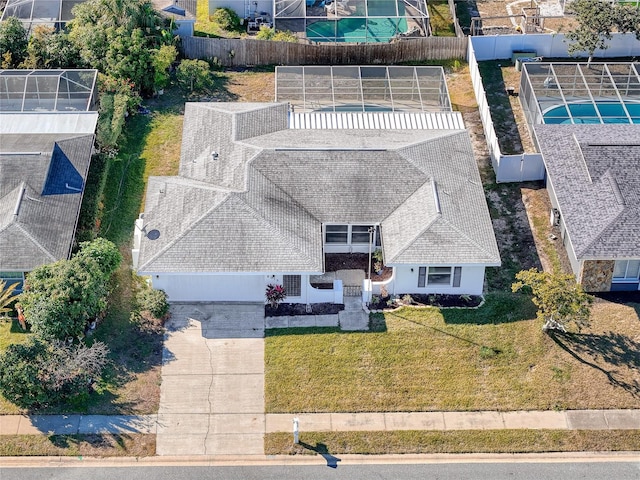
x=41 y=182
x=595 y=173
x=252 y=194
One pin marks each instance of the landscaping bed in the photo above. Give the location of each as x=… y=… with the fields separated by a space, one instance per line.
x=439 y=300
x=294 y=309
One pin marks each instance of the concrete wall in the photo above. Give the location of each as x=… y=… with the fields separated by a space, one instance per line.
x=596 y=275
x=493 y=47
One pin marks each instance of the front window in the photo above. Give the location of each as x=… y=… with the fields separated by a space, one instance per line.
x=439 y=276
x=292 y=285
x=351 y=234
x=626 y=270
x=337 y=233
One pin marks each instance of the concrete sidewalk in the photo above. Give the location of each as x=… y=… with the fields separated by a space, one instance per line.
x=188 y=426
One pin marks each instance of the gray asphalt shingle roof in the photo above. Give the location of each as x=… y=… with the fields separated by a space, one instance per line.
x=260 y=204
x=595 y=173
x=34 y=228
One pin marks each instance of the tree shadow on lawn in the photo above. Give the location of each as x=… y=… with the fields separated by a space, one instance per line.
x=498 y=308
x=612 y=348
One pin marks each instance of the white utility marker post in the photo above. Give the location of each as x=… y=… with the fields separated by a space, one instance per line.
x=296 y=423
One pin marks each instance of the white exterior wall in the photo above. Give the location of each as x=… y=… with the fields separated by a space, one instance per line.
x=406 y=281
x=576 y=265
x=243 y=8
x=211 y=288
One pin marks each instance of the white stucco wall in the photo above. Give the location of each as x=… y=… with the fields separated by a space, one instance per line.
x=406 y=281
x=241 y=6
x=211 y=288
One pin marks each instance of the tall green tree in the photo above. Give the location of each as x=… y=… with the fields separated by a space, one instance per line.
x=61 y=298
x=559 y=298
x=597 y=19
x=119 y=37
x=13 y=43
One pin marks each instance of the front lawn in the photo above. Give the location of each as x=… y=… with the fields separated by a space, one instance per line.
x=492 y=358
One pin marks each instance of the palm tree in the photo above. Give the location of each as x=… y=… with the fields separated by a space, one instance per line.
x=7 y=296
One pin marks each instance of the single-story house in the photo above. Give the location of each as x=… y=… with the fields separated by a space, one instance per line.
x=258 y=202
x=593 y=179
x=47 y=124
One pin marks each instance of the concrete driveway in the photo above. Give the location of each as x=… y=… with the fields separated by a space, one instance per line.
x=212 y=392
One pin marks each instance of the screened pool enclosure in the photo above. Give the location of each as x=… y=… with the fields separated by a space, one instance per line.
x=363 y=89
x=581 y=93
x=47 y=90
x=54 y=13
x=353 y=21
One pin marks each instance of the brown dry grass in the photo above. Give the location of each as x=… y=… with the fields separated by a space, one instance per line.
x=106 y=445
x=250 y=86
x=496 y=8
x=464 y=441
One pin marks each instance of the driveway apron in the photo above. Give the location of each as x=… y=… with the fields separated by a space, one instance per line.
x=212 y=392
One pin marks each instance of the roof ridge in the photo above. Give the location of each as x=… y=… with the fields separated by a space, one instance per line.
x=33 y=239
x=602 y=232
x=261 y=217
x=480 y=247
x=411 y=160
x=184 y=232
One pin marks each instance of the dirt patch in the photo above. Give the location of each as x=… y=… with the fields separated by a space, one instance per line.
x=355 y=261
x=291 y=309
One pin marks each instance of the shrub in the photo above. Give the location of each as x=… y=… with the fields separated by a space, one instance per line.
x=153 y=301
x=275 y=294
x=43 y=372
x=194 y=75
x=226 y=18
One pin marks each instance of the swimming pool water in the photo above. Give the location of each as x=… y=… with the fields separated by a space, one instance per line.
x=353 y=30
x=585 y=112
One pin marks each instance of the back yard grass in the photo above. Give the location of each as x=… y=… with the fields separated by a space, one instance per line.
x=492 y=358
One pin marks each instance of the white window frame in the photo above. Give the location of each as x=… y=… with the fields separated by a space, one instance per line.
x=455 y=276
x=349 y=242
x=626 y=278
x=298 y=281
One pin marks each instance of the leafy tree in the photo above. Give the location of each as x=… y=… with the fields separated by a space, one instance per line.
x=102 y=251
x=153 y=301
x=162 y=60
x=226 y=18
x=119 y=37
x=559 y=298
x=7 y=296
x=13 y=43
x=596 y=20
x=117 y=97
x=267 y=33
x=61 y=298
x=37 y=55
x=42 y=372
x=194 y=75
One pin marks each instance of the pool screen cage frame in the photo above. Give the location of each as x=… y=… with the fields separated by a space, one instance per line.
x=544 y=86
x=54 y=13
x=69 y=90
x=298 y=16
x=362 y=88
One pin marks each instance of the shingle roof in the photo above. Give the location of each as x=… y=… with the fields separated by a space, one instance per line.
x=595 y=173
x=41 y=185
x=260 y=204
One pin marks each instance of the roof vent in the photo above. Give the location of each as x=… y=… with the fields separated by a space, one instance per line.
x=214 y=155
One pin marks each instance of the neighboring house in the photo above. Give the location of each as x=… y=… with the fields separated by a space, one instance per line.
x=593 y=179
x=351 y=21
x=177 y=11
x=47 y=120
x=257 y=202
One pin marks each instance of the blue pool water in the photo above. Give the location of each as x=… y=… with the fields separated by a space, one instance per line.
x=585 y=112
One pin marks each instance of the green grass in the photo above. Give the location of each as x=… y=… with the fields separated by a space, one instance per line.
x=465 y=441
x=440 y=18
x=129 y=445
x=492 y=358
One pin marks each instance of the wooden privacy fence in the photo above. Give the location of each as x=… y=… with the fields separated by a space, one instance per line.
x=249 y=52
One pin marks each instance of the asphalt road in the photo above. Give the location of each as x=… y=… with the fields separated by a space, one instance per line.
x=441 y=471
